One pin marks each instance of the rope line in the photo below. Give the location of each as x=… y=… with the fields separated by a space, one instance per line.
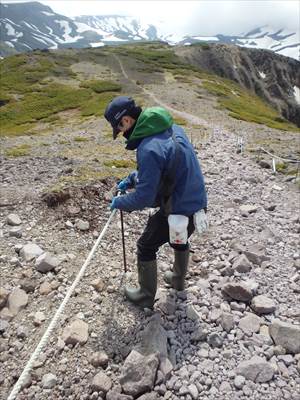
x=280 y=158
x=51 y=326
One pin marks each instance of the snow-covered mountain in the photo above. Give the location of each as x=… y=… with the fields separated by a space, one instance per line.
x=28 y=26
x=281 y=41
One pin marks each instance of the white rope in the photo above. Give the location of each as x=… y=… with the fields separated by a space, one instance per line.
x=280 y=158
x=45 y=337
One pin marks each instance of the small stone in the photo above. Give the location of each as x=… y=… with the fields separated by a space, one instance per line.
x=46 y=262
x=192 y=313
x=3 y=325
x=238 y=291
x=69 y=225
x=22 y=332
x=98 y=284
x=13 y=219
x=30 y=251
x=263 y=305
x=227 y=321
x=248 y=208
x=264 y=164
x=76 y=332
x=225 y=387
x=193 y=391
x=28 y=285
x=215 y=340
x=49 y=381
x=3 y=297
x=82 y=225
x=99 y=359
x=6 y=314
x=256 y=369
x=39 y=317
x=199 y=334
x=297 y=264
x=250 y=324
x=17 y=300
x=101 y=383
x=242 y=264
x=16 y=232
x=286 y=335
x=45 y=288
x=239 y=381
x=15 y=262
x=115 y=395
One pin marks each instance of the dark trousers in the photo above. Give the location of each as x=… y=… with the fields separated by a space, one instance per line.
x=156 y=234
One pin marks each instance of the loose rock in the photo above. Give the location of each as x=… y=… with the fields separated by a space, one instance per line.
x=256 y=370
x=263 y=305
x=76 y=332
x=286 y=335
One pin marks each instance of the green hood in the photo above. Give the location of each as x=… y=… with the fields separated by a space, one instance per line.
x=151 y=121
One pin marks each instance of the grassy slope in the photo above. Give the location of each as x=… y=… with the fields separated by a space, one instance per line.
x=30 y=92
x=41 y=86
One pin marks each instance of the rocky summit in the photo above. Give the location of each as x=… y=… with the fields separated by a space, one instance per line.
x=232 y=334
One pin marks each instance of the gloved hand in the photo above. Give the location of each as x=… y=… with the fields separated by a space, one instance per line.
x=123 y=185
x=129 y=182
x=113 y=204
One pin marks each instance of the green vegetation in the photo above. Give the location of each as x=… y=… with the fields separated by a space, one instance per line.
x=245 y=105
x=18 y=151
x=203 y=45
x=157 y=58
x=180 y=121
x=120 y=164
x=101 y=86
x=29 y=95
x=81 y=139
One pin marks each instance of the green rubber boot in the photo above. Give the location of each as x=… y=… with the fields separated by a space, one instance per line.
x=147 y=277
x=176 y=277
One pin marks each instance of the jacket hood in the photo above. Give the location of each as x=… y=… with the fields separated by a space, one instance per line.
x=151 y=121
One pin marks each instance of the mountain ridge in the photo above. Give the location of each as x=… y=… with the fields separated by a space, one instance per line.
x=33 y=25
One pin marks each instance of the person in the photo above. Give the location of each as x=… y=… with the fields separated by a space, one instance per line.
x=168 y=176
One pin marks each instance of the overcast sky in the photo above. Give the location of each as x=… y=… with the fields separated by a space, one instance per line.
x=205 y=17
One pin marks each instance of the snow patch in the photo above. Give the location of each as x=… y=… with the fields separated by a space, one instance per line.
x=12 y=32
x=206 y=38
x=297 y=94
x=67 y=29
x=9 y=44
x=112 y=38
x=97 y=44
x=261 y=74
x=47 y=13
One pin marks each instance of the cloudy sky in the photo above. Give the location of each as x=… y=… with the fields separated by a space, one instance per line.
x=205 y=17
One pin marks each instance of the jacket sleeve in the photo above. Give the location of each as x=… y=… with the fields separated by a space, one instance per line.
x=150 y=165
